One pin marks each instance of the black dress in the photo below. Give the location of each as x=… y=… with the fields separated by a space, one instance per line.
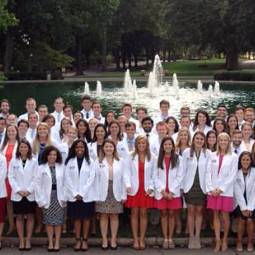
x=79 y=210
x=24 y=206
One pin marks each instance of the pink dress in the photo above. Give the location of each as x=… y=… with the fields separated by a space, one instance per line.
x=220 y=203
x=140 y=199
x=163 y=203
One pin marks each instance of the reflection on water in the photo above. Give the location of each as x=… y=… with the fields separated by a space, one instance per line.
x=113 y=96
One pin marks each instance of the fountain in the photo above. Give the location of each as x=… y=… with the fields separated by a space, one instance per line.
x=158 y=70
x=151 y=83
x=210 y=90
x=86 y=89
x=175 y=84
x=99 y=89
x=127 y=83
x=134 y=90
x=216 y=88
x=199 y=86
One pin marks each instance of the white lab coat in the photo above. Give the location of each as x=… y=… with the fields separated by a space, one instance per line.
x=248 y=147
x=3 y=174
x=224 y=180
x=92 y=147
x=43 y=185
x=240 y=186
x=22 y=179
x=132 y=172
x=175 y=176
x=120 y=182
x=206 y=130
x=79 y=183
x=190 y=165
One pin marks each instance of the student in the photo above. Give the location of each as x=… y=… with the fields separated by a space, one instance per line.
x=23 y=126
x=83 y=130
x=220 y=176
x=95 y=147
x=219 y=125
x=111 y=187
x=58 y=111
x=173 y=127
x=49 y=194
x=86 y=104
x=2 y=130
x=9 y=148
x=129 y=139
x=232 y=124
x=183 y=140
x=4 y=108
x=109 y=117
x=42 y=111
x=141 y=171
x=202 y=122
x=244 y=193
x=164 y=107
x=168 y=182
x=3 y=194
x=32 y=121
x=211 y=140
x=195 y=162
x=21 y=176
x=116 y=137
x=247 y=141
x=79 y=184
x=97 y=110
x=30 y=107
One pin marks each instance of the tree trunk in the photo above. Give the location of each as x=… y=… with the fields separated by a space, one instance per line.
x=9 y=47
x=104 y=48
x=136 y=60
x=78 y=42
x=232 y=59
x=129 y=61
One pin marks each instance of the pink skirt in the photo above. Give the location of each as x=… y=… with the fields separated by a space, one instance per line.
x=220 y=203
x=174 y=204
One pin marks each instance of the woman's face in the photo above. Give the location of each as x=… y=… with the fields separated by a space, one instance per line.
x=77 y=116
x=223 y=143
x=212 y=139
x=42 y=131
x=79 y=149
x=219 y=126
x=72 y=134
x=232 y=123
x=82 y=128
x=110 y=117
x=199 y=141
x=100 y=133
x=108 y=149
x=114 y=129
x=245 y=162
x=168 y=146
x=184 y=137
x=171 y=125
x=23 y=149
x=52 y=157
x=201 y=118
x=247 y=131
x=66 y=125
x=142 y=145
x=11 y=133
x=50 y=122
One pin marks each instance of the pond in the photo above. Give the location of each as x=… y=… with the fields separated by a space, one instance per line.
x=113 y=95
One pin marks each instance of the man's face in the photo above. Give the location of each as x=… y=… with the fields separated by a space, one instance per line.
x=127 y=111
x=11 y=120
x=140 y=115
x=58 y=105
x=86 y=104
x=22 y=128
x=130 y=131
x=42 y=112
x=185 y=122
x=147 y=126
x=5 y=108
x=164 y=108
x=249 y=116
x=221 y=112
x=32 y=120
x=162 y=131
x=237 y=139
x=30 y=106
x=96 y=109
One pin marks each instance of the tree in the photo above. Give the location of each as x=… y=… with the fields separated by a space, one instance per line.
x=7 y=18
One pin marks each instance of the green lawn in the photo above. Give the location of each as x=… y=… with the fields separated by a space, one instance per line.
x=195 y=67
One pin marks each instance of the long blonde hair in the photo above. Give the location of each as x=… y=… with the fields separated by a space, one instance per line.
x=178 y=140
x=224 y=134
x=36 y=142
x=147 y=152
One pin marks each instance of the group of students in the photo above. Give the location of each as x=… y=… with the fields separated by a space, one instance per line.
x=75 y=165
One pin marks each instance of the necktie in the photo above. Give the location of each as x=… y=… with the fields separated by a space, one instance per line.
x=236 y=152
x=87 y=115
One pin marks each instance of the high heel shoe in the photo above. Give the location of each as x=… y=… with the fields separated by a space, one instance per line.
x=84 y=244
x=77 y=247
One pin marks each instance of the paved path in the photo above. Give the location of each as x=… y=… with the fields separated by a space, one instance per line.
x=120 y=251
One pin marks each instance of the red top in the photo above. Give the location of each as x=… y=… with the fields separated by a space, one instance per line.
x=167 y=161
x=8 y=156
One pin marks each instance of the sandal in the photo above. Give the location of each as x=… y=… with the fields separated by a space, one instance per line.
x=77 y=246
x=171 y=244
x=135 y=245
x=165 y=244
x=84 y=244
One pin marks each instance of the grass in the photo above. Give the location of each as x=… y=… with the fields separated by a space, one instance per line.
x=2 y=77
x=195 y=67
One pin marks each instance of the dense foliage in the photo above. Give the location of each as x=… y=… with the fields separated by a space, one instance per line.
x=45 y=35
